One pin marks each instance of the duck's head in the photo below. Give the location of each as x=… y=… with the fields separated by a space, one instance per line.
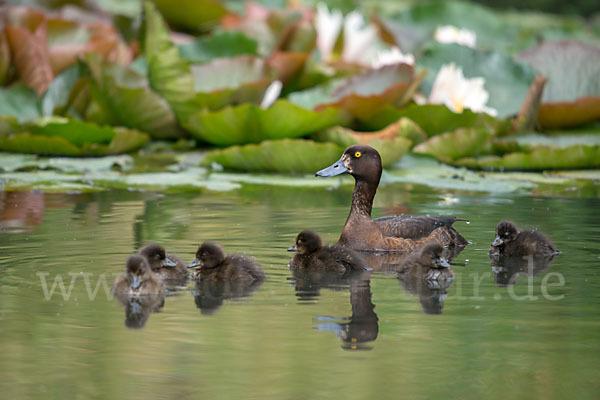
x=361 y=161
x=137 y=271
x=209 y=255
x=156 y=256
x=506 y=231
x=431 y=254
x=307 y=242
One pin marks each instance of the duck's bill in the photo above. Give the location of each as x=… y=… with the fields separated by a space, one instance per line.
x=135 y=283
x=444 y=263
x=497 y=241
x=293 y=248
x=169 y=263
x=335 y=169
x=194 y=263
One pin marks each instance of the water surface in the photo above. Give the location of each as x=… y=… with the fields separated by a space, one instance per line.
x=478 y=338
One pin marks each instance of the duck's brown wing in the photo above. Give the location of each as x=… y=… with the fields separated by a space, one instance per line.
x=420 y=227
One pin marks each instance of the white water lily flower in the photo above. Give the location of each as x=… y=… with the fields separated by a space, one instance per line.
x=392 y=56
x=452 y=89
x=271 y=94
x=452 y=34
x=328 y=26
x=358 y=39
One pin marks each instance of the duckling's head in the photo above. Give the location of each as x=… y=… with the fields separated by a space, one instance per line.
x=137 y=271
x=361 y=161
x=431 y=254
x=307 y=242
x=209 y=255
x=506 y=231
x=156 y=256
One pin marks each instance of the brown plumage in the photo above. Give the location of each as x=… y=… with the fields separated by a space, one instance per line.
x=313 y=256
x=214 y=265
x=428 y=263
x=139 y=281
x=393 y=233
x=510 y=241
x=167 y=266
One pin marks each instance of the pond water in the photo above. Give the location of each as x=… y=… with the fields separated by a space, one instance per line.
x=371 y=338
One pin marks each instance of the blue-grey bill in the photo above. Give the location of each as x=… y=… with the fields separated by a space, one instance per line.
x=497 y=241
x=194 y=263
x=444 y=263
x=293 y=248
x=169 y=263
x=136 y=282
x=336 y=168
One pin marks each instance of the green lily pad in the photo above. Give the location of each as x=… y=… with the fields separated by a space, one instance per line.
x=248 y=123
x=506 y=80
x=219 y=45
x=20 y=102
x=127 y=99
x=541 y=158
x=287 y=155
x=35 y=144
x=462 y=142
x=192 y=15
x=432 y=118
x=572 y=94
x=58 y=93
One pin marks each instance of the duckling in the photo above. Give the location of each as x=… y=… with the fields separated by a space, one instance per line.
x=139 y=282
x=510 y=241
x=216 y=266
x=313 y=256
x=167 y=266
x=428 y=263
x=403 y=233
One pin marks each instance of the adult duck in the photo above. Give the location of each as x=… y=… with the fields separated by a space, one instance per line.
x=402 y=233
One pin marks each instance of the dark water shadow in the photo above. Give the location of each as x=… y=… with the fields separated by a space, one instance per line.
x=507 y=269
x=139 y=308
x=209 y=295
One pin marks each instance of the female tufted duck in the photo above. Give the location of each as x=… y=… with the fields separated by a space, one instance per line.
x=167 y=266
x=392 y=233
x=214 y=265
x=510 y=242
x=313 y=256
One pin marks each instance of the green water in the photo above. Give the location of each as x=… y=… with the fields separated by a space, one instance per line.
x=281 y=342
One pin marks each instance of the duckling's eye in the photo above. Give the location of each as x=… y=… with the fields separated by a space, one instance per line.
x=357 y=154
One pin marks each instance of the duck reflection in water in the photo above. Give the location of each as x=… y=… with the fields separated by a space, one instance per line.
x=219 y=277
x=140 y=291
x=507 y=269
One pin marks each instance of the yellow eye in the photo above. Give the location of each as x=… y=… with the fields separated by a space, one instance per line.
x=357 y=154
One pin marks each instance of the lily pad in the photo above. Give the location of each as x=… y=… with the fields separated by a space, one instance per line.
x=219 y=45
x=59 y=92
x=541 y=158
x=192 y=15
x=287 y=155
x=20 y=102
x=462 y=142
x=432 y=118
x=248 y=123
x=506 y=80
x=572 y=94
x=127 y=99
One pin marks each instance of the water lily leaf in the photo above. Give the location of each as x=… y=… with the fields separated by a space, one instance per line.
x=460 y=143
x=169 y=74
x=8 y=124
x=26 y=31
x=248 y=123
x=127 y=99
x=432 y=118
x=20 y=102
x=192 y=15
x=572 y=94
x=76 y=132
x=126 y=141
x=287 y=155
x=542 y=157
x=506 y=80
x=392 y=142
x=288 y=65
x=59 y=92
x=35 y=144
x=5 y=59
x=218 y=45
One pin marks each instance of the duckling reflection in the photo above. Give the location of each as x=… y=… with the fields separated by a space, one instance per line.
x=362 y=327
x=508 y=269
x=140 y=291
x=210 y=294
x=170 y=268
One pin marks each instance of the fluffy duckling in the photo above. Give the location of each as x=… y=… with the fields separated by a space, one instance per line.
x=428 y=263
x=313 y=256
x=510 y=241
x=214 y=265
x=138 y=281
x=167 y=266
